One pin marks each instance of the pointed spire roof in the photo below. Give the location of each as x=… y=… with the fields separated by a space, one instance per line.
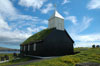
x=56 y=14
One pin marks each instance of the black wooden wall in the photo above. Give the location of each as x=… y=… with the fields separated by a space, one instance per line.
x=56 y=43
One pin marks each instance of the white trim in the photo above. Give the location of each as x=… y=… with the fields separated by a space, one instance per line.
x=24 y=48
x=34 y=47
x=28 y=47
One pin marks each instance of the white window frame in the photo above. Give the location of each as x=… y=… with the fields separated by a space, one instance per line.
x=28 y=47
x=34 y=46
x=24 y=48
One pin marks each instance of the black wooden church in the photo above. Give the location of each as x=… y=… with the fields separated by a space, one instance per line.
x=53 y=41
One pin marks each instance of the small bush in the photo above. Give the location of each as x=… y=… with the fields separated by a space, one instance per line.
x=97 y=46
x=2 y=58
x=93 y=46
x=6 y=57
x=15 y=54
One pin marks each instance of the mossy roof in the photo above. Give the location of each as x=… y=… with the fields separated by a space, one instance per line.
x=37 y=37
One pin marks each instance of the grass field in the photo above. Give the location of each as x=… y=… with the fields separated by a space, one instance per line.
x=85 y=55
x=12 y=61
x=10 y=56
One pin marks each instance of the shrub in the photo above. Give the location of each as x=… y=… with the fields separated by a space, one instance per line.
x=97 y=46
x=93 y=46
x=15 y=54
x=6 y=57
x=2 y=58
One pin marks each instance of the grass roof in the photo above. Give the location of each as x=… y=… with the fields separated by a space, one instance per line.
x=37 y=37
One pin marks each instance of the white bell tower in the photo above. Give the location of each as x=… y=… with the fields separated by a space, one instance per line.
x=56 y=21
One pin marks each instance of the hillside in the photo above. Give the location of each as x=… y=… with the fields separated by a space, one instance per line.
x=85 y=55
x=8 y=49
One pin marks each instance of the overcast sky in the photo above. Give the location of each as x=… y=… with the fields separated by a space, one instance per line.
x=20 y=19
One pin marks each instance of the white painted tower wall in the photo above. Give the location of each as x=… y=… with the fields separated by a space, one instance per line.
x=57 y=23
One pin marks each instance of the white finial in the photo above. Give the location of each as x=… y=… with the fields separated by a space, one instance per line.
x=56 y=14
x=55 y=6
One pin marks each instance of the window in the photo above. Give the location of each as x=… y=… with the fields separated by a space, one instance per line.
x=28 y=47
x=34 y=46
x=24 y=48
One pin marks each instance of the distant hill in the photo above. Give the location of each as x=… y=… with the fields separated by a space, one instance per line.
x=8 y=49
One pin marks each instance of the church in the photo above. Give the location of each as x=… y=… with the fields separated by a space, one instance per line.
x=53 y=41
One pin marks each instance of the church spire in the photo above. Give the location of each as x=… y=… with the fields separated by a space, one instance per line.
x=56 y=14
x=56 y=21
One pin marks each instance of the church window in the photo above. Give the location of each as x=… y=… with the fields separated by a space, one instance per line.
x=28 y=47
x=24 y=48
x=34 y=46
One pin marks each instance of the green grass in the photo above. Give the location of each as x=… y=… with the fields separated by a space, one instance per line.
x=12 y=61
x=37 y=37
x=85 y=55
x=10 y=56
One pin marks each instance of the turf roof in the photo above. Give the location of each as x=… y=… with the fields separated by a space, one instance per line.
x=37 y=37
